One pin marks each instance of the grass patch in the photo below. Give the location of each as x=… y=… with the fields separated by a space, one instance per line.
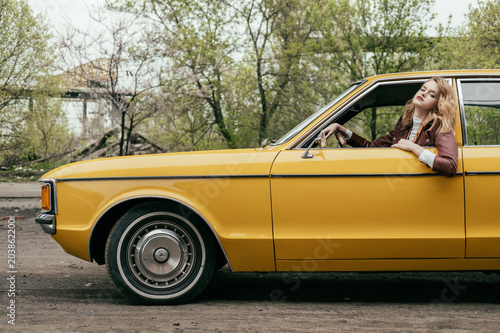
x=27 y=173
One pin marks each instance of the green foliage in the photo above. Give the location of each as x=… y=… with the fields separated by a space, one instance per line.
x=25 y=62
x=24 y=54
x=41 y=129
x=483 y=125
x=475 y=45
x=484 y=27
x=371 y=37
x=181 y=124
x=46 y=132
x=31 y=172
x=375 y=122
x=282 y=37
x=253 y=64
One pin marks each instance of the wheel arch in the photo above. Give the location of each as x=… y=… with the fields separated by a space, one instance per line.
x=105 y=222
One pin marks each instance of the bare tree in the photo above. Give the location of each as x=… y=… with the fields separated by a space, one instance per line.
x=117 y=58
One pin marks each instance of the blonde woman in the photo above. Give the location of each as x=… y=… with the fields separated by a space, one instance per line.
x=428 y=120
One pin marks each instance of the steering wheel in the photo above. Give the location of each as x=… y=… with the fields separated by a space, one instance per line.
x=341 y=139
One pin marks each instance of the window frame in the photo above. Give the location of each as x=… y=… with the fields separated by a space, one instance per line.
x=301 y=143
x=463 y=119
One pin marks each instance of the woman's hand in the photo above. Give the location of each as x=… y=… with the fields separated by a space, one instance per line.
x=408 y=145
x=329 y=130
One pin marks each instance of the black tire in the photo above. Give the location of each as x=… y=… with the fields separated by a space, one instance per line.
x=156 y=256
x=220 y=261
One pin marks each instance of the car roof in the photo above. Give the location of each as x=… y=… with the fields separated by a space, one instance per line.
x=426 y=74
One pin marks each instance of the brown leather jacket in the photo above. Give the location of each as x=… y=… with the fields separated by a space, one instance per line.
x=446 y=161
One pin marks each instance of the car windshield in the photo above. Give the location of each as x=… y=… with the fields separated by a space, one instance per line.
x=316 y=114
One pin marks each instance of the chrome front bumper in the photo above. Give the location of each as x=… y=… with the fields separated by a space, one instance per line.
x=47 y=222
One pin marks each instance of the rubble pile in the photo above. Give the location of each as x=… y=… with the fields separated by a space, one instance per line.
x=108 y=145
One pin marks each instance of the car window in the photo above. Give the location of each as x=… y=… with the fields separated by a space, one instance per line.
x=375 y=121
x=481 y=103
x=376 y=113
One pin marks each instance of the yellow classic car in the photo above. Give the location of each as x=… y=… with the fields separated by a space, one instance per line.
x=164 y=223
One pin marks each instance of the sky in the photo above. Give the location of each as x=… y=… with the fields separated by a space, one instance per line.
x=76 y=11
x=60 y=11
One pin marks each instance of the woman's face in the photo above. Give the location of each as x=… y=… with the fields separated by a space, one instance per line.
x=427 y=97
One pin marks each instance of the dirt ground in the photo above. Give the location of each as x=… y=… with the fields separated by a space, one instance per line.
x=55 y=292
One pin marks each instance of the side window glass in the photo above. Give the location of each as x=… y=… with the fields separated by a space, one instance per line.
x=375 y=121
x=482 y=112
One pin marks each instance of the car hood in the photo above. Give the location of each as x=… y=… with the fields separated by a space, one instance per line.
x=204 y=163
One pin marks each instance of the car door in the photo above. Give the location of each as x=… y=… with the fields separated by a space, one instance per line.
x=480 y=104
x=364 y=203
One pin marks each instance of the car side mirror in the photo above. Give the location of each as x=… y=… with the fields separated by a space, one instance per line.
x=320 y=141
x=266 y=142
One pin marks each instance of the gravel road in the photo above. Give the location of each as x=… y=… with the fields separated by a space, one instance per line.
x=55 y=292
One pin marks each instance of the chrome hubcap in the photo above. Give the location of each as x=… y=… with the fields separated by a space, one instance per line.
x=161 y=255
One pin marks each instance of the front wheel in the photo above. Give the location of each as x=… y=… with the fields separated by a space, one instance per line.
x=157 y=256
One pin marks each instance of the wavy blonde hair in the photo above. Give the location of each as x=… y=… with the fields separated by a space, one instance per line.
x=443 y=116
